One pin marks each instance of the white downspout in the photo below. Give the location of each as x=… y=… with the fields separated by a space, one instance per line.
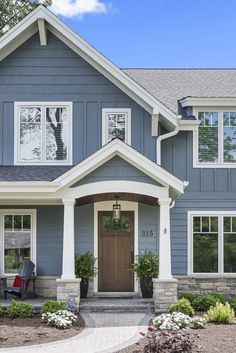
x=161 y=138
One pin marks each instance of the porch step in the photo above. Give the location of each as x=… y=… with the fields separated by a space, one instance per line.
x=116 y=304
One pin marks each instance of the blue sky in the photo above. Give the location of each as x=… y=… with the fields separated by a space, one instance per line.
x=160 y=33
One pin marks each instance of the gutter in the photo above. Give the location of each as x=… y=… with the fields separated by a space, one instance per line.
x=163 y=137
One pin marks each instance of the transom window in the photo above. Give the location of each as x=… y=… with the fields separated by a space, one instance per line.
x=216 y=137
x=213 y=244
x=116 y=124
x=18 y=239
x=43 y=133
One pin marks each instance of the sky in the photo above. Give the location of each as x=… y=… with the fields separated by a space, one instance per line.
x=156 y=33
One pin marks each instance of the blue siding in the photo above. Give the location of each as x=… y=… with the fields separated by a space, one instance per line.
x=116 y=169
x=55 y=73
x=84 y=228
x=209 y=189
x=148 y=221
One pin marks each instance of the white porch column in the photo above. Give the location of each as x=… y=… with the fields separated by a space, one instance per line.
x=68 y=260
x=164 y=240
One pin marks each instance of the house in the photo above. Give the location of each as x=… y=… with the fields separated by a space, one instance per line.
x=80 y=137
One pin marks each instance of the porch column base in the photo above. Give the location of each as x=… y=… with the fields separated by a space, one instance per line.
x=67 y=289
x=164 y=293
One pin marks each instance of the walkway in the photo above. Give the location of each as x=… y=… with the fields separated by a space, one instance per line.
x=104 y=333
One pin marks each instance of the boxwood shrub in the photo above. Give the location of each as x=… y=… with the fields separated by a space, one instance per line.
x=183 y=306
x=188 y=295
x=204 y=302
x=52 y=306
x=20 y=309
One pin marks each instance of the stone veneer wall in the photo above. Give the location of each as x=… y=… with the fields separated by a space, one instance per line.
x=46 y=286
x=223 y=285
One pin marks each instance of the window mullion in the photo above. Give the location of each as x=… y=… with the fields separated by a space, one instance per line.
x=220 y=137
x=221 y=243
x=44 y=134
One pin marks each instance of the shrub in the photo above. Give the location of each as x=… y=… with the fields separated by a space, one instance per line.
x=233 y=303
x=52 y=306
x=171 y=322
x=20 y=309
x=198 y=322
x=62 y=319
x=183 y=306
x=204 y=302
x=220 y=314
x=173 y=342
x=1 y=309
x=220 y=298
x=188 y=295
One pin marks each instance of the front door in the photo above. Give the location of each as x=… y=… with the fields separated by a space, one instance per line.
x=115 y=252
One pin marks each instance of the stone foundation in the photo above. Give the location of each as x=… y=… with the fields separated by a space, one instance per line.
x=67 y=289
x=46 y=286
x=222 y=285
x=164 y=293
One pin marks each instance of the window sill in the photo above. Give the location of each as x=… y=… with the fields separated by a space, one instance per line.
x=210 y=275
x=212 y=165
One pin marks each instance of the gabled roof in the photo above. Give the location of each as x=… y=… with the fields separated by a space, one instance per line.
x=172 y=85
x=121 y=149
x=42 y=19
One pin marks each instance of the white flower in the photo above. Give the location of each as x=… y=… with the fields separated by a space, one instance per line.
x=62 y=319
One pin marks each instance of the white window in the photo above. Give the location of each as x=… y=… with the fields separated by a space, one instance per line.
x=18 y=238
x=116 y=124
x=212 y=243
x=215 y=140
x=43 y=133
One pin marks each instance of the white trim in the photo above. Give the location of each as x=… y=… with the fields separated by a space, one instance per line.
x=107 y=206
x=208 y=101
x=91 y=55
x=43 y=105
x=219 y=164
x=42 y=31
x=119 y=148
x=188 y=125
x=33 y=245
x=220 y=215
x=106 y=111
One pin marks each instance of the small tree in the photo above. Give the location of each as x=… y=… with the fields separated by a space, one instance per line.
x=13 y=11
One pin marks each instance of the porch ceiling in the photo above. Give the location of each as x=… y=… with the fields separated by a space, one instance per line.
x=123 y=196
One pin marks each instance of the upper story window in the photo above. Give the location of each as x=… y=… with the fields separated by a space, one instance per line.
x=216 y=138
x=43 y=133
x=116 y=123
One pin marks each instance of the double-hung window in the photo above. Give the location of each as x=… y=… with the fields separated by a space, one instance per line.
x=43 y=133
x=215 y=145
x=116 y=124
x=212 y=243
x=19 y=238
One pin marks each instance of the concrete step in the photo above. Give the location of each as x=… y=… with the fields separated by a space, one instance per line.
x=138 y=305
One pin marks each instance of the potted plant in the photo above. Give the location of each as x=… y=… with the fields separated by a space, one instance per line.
x=84 y=269
x=146 y=267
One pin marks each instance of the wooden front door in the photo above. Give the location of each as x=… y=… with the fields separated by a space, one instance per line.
x=115 y=252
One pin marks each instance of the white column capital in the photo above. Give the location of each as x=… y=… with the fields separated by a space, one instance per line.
x=163 y=202
x=68 y=201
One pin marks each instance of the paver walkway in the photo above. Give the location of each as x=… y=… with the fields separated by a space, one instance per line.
x=104 y=333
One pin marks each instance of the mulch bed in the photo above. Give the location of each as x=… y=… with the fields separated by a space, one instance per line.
x=25 y=332
x=212 y=339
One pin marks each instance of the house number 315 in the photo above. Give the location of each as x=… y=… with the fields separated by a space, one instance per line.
x=147 y=233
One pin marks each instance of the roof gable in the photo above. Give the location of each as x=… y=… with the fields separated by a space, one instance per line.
x=127 y=153
x=33 y=22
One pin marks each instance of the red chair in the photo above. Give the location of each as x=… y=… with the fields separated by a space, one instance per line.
x=22 y=281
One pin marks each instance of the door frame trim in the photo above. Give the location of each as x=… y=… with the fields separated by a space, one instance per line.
x=107 y=206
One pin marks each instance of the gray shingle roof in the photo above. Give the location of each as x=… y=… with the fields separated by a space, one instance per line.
x=171 y=85
x=31 y=173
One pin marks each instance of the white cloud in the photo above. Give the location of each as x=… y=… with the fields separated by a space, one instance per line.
x=73 y=8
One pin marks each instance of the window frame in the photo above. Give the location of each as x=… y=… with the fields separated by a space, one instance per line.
x=43 y=105
x=220 y=215
x=220 y=163
x=104 y=123
x=33 y=250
